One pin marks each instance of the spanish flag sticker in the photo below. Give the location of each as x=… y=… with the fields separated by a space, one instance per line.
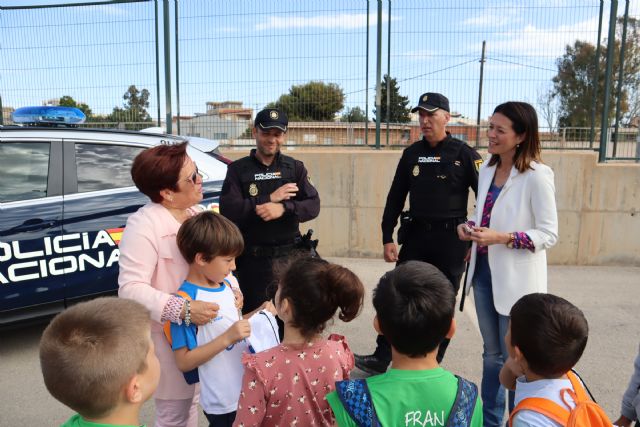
x=115 y=234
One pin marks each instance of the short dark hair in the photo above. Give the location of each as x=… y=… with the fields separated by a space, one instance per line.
x=414 y=303
x=210 y=234
x=89 y=352
x=550 y=332
x=316 y=289
x=158 y=168
x=524 y=122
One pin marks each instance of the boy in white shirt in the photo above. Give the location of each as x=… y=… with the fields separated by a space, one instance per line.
x=210 y=243
x=546 y=337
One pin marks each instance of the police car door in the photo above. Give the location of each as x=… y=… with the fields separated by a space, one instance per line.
x=99 y=196
x=31 y=267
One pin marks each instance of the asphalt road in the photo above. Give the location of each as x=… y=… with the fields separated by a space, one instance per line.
x=607 y=295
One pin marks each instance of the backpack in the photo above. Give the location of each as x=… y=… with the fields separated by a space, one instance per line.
x=191 y=377
x=355 y=397
x=587 y=413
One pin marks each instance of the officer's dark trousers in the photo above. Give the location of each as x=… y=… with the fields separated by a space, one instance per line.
x=444 y=250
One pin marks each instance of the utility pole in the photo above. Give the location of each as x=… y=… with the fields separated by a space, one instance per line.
x=482 y=60
x=388 y=71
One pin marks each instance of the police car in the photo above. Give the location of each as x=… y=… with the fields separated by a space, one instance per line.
x=65 y=195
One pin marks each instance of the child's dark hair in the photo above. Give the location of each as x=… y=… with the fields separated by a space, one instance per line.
x=210 y=234
x=316 y=289
x=550 y=332
x=414 y=304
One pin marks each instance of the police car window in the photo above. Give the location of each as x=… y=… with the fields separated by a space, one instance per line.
x=24 y=167
x=104 y=166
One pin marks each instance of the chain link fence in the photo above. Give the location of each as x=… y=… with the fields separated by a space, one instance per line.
x=320 y=62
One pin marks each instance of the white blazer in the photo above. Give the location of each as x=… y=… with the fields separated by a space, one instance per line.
x=526 y=203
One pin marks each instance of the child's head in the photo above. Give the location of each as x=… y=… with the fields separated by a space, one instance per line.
x=549 y=332
x=414 y=305
x=98 y=354
x=310 y=291
x=211 y=241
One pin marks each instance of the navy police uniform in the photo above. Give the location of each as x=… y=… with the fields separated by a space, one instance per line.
x=249 y=183
x=437 y=180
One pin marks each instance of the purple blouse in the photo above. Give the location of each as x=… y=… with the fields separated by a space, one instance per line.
x=522 y=239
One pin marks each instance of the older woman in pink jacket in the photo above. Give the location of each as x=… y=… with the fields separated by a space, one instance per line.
x=152 y=268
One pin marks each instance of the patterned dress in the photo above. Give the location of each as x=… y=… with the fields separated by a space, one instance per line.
x=287 y=386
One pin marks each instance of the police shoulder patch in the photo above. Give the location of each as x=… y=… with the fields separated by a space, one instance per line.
x=478 y=163
x=309 y=179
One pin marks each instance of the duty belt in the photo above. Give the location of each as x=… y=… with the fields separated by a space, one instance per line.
x=437 y=224
x=272 y=251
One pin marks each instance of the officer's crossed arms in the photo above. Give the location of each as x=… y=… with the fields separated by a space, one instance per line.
x=274 y=209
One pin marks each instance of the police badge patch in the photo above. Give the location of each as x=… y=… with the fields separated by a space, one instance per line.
x=253 y=190
x=478 y=163
x=416 y=170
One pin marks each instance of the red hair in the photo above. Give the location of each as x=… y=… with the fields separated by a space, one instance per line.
x=158 y=168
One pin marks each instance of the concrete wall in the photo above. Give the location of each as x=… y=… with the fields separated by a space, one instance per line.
x=598 y=204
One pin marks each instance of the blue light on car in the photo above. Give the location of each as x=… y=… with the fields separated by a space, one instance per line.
x=48 y=116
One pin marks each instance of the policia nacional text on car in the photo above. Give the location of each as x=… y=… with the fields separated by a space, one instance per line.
x=267 y=195
x=437 y=172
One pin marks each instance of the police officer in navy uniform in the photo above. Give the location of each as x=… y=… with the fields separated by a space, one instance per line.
x=437 y=172
x=267 y=195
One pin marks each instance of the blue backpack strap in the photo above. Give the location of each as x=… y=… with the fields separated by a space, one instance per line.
x=462 y=409
x=356 y=399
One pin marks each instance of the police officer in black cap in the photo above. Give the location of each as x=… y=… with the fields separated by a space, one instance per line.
x=437 y=172
x=267 y=195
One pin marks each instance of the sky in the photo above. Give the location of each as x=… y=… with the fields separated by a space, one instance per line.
x=253 y=51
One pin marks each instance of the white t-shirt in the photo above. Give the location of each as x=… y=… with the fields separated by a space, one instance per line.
x=220 y=377
x=548 y=389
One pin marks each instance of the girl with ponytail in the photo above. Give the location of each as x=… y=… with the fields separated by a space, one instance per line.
x=287 y=384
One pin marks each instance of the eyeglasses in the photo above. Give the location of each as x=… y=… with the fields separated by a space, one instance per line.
x=194 y=176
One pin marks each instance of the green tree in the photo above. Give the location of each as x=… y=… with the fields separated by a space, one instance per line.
x=355 y=114
x=313 y=101
x=573 y=85
x=398 y=110
x=67 y=101
x=134 y=108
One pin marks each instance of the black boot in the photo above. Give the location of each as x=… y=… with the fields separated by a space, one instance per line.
x=371 y=364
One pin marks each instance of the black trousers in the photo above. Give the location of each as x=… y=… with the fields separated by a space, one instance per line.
x=221 y=420
x=444 y=250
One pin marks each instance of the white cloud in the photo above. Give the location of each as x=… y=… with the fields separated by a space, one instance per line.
x=534 y=41
x=348 y=21
x=494 y=17
x=112 y=10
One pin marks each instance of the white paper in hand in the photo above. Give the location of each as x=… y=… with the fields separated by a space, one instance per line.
x=264 y=332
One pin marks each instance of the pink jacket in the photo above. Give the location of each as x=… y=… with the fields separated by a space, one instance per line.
x=152 y=268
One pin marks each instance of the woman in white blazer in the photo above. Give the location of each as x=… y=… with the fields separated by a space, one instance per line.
x=514 y=223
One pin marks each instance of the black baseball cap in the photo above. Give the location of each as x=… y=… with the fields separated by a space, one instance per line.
x=431 y=101
x=272 y=118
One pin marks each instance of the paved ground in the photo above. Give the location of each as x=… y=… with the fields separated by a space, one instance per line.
x=607 y=295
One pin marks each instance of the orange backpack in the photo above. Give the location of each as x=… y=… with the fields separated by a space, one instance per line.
x=586 y=413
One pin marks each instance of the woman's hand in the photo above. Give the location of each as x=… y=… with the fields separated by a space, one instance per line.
x=239 y=298
x=464 y=232
x=484 y=236
x=202 y=312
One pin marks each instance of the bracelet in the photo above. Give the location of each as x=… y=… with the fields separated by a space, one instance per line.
x=187 y=312
x=512 y=239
